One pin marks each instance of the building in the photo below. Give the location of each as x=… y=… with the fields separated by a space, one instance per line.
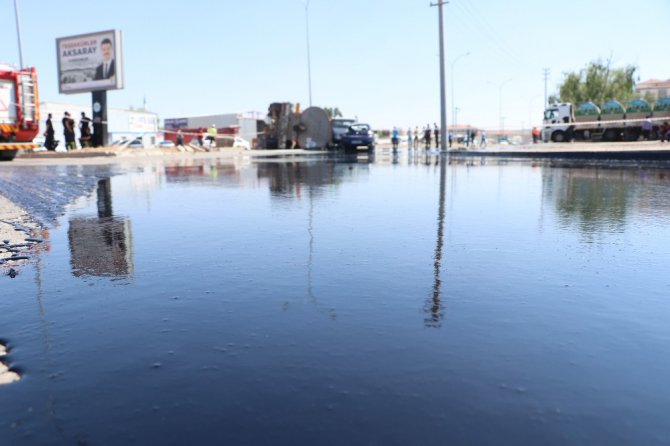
x=245 y=125
x=654 y=88
x=121 y=124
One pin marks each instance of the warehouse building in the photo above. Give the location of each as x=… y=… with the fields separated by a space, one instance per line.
x=245 y=125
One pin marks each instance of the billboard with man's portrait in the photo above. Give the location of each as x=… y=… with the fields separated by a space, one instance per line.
x=90 y=62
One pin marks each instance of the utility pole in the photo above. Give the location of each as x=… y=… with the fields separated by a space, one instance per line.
x=309 y=65
x=546 y=76
x=443 y=94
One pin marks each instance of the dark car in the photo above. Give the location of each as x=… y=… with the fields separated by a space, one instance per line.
x=358 y=135
x=340 y=127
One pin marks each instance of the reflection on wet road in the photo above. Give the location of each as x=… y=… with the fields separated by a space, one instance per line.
x=367 y=300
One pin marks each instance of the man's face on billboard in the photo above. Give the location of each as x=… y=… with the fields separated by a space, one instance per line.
x=106 y=51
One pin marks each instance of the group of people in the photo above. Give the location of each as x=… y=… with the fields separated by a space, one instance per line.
x=648 y=129
x=212 y=132
x=85 y=132
x=414 y=137
x=428 y=134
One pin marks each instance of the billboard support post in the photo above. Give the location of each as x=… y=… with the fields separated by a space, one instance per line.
x=99 y=106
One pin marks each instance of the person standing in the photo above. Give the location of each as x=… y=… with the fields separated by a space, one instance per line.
x=416 y=137
x=211 y=136
x=409 y=138
x=200 y=136
x=647 y=127
x=68 y=132
x=426 y=136
x=450 y=136
x=49 y=142
x=394 y=138
x=436 y=133
x=482 y=143
x=536 y=135
x=180 y=138
x=664 y=131
x=85 y=130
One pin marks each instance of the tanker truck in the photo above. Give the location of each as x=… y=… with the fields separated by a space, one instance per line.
x=19 y=110
x=288 y=127
x=612 y=122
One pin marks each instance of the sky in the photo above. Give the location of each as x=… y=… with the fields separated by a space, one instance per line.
x=377 y=60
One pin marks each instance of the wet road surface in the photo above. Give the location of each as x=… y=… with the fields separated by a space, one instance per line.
x=393 y=300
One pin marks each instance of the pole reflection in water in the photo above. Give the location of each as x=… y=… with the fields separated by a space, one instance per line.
x=104 y=193
x=101 y=246
x=434 y=305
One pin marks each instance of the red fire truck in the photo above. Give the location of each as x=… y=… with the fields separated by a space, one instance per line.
x=19 y=110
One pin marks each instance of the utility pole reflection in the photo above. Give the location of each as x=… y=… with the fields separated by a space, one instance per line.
x=102 y=245
x=433 y=306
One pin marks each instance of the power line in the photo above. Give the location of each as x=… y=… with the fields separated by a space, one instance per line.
x=470 y=10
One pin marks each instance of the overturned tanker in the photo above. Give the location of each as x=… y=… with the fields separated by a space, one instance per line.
x=288 y=128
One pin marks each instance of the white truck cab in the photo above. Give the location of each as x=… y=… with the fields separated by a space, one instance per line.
x=557 y=122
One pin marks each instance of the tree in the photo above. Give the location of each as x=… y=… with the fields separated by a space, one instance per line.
x=333 y=112
x=599 y=83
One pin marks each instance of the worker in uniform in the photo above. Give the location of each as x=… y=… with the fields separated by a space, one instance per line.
x=68 y=132
x=211 y=136
x=49 y=135
x=85 y=130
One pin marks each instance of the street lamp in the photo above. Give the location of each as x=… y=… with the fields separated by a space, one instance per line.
x=500 y=116
x=453 y=102
x=309 y=65
x=18 y=31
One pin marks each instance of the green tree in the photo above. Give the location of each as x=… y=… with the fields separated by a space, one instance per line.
x=599 y=83
x=333 y=112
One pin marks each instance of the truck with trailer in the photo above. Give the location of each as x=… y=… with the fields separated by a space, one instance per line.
x=565 y=122
x=19 y=110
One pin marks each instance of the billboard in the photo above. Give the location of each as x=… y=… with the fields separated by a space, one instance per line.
x=90 y=62
x=175 y=123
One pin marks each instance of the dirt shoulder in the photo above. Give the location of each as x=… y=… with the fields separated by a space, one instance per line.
x=108 y=153
x=10 y=215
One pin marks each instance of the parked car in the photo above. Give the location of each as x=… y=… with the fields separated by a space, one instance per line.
x=136 y=144
x=241 y=143
x=166 y=144
x=358 y=135
x=340 y=127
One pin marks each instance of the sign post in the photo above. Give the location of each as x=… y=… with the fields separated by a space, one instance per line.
x=92 y=63
x=100 y=134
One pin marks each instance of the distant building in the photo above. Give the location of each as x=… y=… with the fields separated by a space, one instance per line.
x=655 y=88
x=121 y=124
x=246 y=125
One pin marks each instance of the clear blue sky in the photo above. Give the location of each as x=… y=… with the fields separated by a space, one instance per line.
x=375 y=59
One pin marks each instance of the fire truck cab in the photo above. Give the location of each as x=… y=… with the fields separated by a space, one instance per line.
x=19 y=110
